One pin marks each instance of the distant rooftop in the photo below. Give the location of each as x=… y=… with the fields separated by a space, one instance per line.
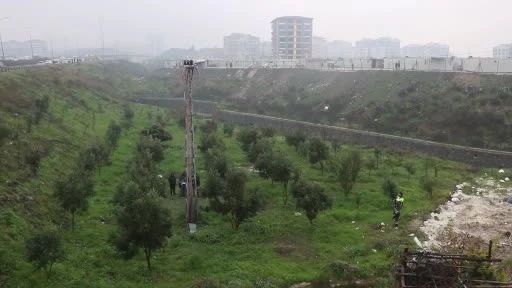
x=291 y=17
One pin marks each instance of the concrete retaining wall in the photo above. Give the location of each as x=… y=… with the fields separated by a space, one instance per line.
x=474 y=156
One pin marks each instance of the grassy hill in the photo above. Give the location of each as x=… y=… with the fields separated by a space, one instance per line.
x=276 y=248
x=458 y=108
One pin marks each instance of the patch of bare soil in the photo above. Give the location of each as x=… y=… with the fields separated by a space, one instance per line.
x=479 y=211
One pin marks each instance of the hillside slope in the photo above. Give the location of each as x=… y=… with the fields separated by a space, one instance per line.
x=276 y=248
x=458 y=108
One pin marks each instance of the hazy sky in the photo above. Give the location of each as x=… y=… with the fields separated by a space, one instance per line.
x=473 y=26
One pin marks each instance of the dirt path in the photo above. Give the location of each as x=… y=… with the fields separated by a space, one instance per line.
x=477 y=210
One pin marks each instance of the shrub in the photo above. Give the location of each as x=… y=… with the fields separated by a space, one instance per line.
x=157 y=132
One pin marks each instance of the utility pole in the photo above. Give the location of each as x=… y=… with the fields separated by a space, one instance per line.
x=2 y=43
x=31 y=47
x=191 y=187
x=51 y=44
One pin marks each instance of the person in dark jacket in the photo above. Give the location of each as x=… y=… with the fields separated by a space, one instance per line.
x=172 y=183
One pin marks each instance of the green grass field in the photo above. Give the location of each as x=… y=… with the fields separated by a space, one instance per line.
x=276 y=248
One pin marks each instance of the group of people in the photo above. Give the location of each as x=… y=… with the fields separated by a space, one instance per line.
x=173 y=181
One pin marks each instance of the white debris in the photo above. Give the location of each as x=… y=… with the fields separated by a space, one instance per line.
x=298 y=214
x=411 y=235
x=382 y=224
x=482 y=215
x=353 y=222
x=418 y=242
x=160 y=176
x=374 y=251
x=502 y=181
x=501 y=171
x=506 y=179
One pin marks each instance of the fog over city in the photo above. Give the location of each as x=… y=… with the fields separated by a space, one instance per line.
x=468 y=27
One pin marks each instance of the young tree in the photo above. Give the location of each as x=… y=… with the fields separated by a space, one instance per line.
x=336 y=145
x=310 y=198
x=282 y=170
x=230 y=197
x=247 y=136
x=377 y=153
x=264 y=165
x=228 y=129
x=208 y=127
x=144 y=223
x=370 y=164
x=209 y=141
x=44 y=249
x=318 y=152
x=74 y=191
x=347 y=169
x=296 y=139
x=427 y=184
x=151 y=145
x=390 y=189
x=113 y=134
x=99 y=153
x=216 y=161
x=411 y=170
x=264 y=145
x=157 y=131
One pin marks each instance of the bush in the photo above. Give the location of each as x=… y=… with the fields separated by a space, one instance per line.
x=228 y=129
x=44 y=249
x=208 y=127
x=207 y=236
x=157 y=132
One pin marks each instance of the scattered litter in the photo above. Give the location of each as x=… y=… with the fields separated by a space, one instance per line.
x=357 y=228
x=298 y=214
x=506 y=179
x=502 y=181
x=382 y=224
x=353 y=222
x=374 y=251
x=454 y=199
x=501 y=171
x=411 y=235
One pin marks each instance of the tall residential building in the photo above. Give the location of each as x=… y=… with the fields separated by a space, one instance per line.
x=339 y=49
x=319 y=47
x=379 y=48
x=427 y=50
x=241 y=46
x=502 y=51
x=266 y=49
x=292 y=37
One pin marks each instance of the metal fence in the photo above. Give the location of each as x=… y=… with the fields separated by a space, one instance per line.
x=453 y=64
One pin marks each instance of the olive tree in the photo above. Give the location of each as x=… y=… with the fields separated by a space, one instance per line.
x=310 y=198
x=44 y=249
x=144 y=222
x=74 y=191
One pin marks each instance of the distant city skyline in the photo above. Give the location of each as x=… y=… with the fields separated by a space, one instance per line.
x=469 y=29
